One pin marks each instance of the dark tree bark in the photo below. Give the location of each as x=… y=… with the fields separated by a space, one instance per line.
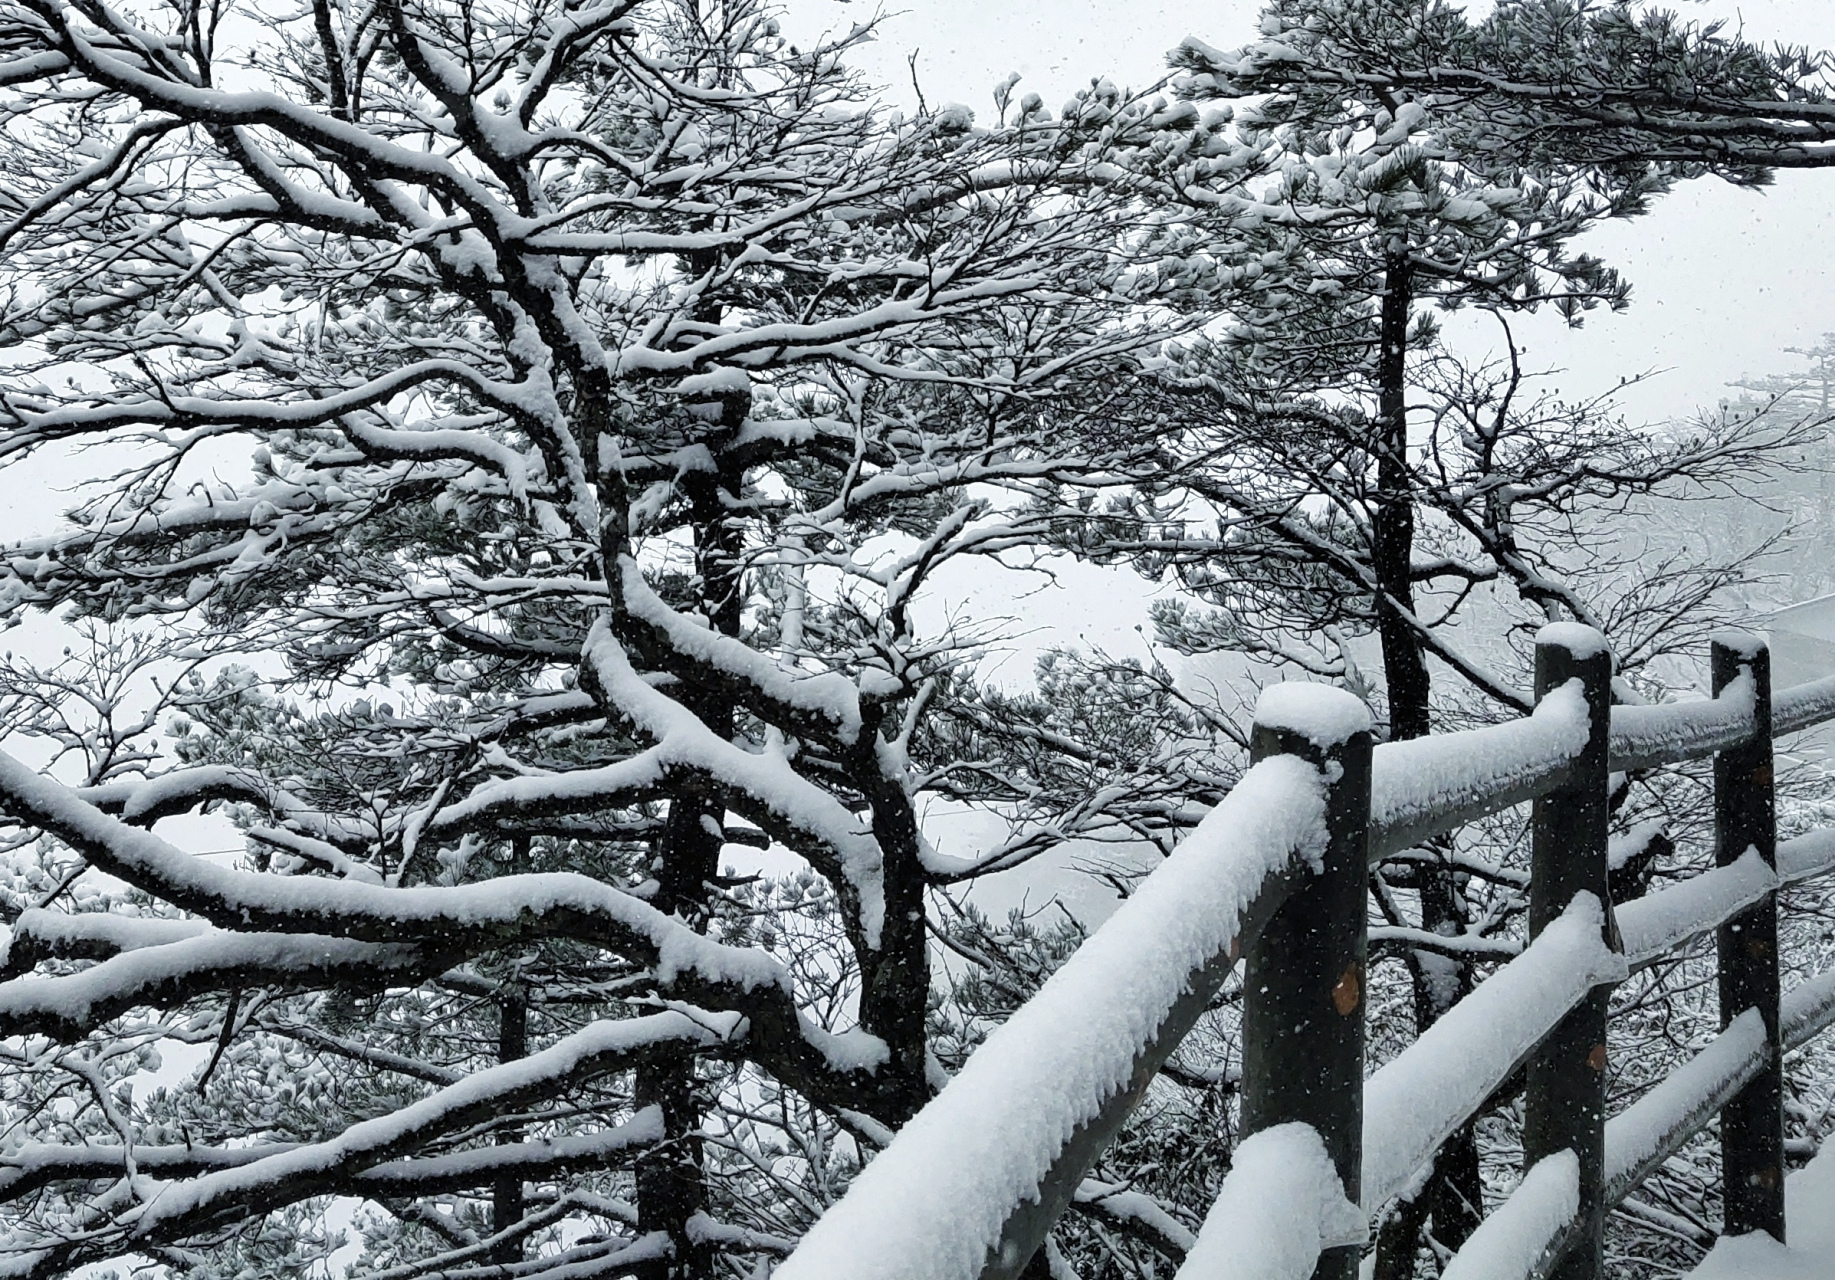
x=507 y=1203
x=1439 y=982
x=507 y=1192
x=1392 y=520
x=671 y=1182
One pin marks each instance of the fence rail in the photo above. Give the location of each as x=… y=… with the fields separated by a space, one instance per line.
x=1275 y=876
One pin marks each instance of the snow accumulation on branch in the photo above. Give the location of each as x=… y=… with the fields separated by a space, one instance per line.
x=42 y=934
x=34 y=1164
x=761 y=787
x=542 y=905
x=1671 y=732
x=163 y=976
x=1280 y=1205
x=1140 y=1212
x=319 y=837
x=532 y=1158
x=600 y=1047
x=932 y=1206
x=1416 y=1100
x=826 y=703
x=1428 y=785
x=143 y=800
x=624 y=782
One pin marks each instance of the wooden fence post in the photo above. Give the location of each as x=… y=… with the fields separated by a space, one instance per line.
x=1303 y=981
x=1745 y=817
x=1564 y=1103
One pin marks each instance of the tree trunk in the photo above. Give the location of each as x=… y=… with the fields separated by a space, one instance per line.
x=1392 y=521
x=671 y=1185
x=1439 y=982
x=507 y=1203
x=894 y=999
x=507 y=1192
x=671 y=1181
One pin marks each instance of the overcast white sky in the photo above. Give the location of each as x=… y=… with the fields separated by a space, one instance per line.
x=1723 y=280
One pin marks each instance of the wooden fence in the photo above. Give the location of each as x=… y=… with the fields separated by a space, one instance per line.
x=1276 y=877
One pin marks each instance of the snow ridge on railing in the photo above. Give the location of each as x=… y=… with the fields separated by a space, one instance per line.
x=1657 y=1125
x=1280 y=1205
x=1803 y=705
x=1424 y=786
x=1644 y=1135
x=933 y=1205
x=1811 y=854
x=1434 y=1085
x=1658 y=923
x=1647 y=1132
x=1511 y=1240
x=1671 y=732
x=1002 y=1148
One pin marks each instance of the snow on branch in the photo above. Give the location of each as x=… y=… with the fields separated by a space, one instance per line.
x=825 y=705
x=39 y=1164
x=555 y=904
x=762 y=787
x=282 y=1178
x=168 y=974
x=42 y=934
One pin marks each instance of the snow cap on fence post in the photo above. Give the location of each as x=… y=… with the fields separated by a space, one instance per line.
x=1745 y=819
x=1564 y=1104
x=1304 y=980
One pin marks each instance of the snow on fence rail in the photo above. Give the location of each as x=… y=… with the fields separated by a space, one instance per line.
x=971 y=1186
x=1418 y=1098
x=979 y=1174
x=1656 y=1126
x=1427 y=786
x=1803 y=705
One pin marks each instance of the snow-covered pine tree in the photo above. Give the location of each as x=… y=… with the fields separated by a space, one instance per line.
x=616 y=378
x=1353 y=479
x=1614 y=84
